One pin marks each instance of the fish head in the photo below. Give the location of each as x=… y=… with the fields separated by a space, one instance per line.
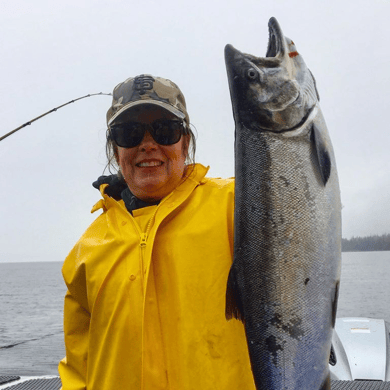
x=271 y=93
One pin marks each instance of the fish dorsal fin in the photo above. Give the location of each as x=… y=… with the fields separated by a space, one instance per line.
x=323 y=157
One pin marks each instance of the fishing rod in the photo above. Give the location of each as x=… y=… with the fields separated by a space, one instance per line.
x=49 y=112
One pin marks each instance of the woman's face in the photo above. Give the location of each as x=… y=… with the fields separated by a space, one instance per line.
x=151 y=170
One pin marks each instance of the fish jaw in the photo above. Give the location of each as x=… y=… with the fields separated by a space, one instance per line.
x=272 y=93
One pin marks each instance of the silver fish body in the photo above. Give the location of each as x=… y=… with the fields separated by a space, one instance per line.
x=284 y=280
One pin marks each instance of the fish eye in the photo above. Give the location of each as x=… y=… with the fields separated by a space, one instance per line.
x=251 y=74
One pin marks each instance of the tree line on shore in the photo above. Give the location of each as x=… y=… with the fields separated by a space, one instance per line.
x=366 y=244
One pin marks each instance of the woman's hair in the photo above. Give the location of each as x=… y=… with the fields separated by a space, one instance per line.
x=112 y=151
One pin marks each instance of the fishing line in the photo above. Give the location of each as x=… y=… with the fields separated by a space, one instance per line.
x=49 y=112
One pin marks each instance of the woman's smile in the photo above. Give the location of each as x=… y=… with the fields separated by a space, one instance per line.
x=149 y=164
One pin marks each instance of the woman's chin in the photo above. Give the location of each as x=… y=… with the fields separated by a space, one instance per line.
x=150 y=190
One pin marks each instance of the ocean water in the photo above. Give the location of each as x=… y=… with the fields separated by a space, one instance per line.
x=365 y=285
x=31 y=307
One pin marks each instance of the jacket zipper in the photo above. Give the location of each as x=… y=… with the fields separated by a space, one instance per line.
x=143 y=241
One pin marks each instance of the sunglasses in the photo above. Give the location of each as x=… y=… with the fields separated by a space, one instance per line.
x=164 y=132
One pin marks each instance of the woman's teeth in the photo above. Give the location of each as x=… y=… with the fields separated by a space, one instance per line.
x=150 y=164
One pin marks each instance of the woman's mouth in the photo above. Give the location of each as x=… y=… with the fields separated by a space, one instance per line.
x=146 y=164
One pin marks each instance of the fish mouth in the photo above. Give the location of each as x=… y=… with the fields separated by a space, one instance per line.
x=275 y=39
x=275 y=50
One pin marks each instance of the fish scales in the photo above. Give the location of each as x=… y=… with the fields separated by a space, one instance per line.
x=287 y=240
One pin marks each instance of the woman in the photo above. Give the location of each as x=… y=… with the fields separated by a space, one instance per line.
x=145 y=307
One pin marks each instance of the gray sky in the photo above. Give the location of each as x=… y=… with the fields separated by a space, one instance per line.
x=53 y=52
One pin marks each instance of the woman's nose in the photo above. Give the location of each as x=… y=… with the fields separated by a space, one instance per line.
x=148 y=143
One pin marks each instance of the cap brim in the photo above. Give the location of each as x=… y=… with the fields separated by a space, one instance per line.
x=166 y=106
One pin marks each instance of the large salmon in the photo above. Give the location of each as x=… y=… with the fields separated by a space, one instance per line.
x=284 y=280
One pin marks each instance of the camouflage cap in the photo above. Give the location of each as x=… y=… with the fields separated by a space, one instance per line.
x=147 y=89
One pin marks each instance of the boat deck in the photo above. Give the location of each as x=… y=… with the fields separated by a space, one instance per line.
x=54 y=383
x=26 y=383
x=360 y=385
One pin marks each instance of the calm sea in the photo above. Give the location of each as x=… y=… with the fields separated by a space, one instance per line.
x=31 y=303
x=31 y=300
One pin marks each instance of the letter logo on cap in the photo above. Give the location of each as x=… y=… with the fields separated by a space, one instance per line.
x=143 y=83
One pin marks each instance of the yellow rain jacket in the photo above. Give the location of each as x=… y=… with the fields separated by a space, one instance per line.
x=145 y=307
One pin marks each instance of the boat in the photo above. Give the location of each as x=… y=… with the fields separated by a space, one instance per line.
x=361 y=351
x=359 y=359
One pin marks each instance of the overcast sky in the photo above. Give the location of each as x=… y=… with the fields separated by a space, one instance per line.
x=53 y=52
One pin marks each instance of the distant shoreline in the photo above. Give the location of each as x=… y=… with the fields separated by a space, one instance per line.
x=366 y=244
x=366 y=250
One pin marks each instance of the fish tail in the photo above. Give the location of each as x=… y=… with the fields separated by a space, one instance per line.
x=234 y=307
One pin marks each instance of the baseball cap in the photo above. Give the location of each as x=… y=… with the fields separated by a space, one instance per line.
x=147 y=89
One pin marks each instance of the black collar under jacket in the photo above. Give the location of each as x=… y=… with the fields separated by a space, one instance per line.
x=118 y=189
x=132 y=202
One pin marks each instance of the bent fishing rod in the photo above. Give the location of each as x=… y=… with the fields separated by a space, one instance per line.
x=49 y=112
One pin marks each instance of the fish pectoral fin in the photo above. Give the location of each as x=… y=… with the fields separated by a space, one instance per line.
x=322 y=154
x=234 y=307
x=334 y=302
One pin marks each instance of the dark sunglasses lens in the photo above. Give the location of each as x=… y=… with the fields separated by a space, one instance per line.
x=167 y=132
x=128 y=135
